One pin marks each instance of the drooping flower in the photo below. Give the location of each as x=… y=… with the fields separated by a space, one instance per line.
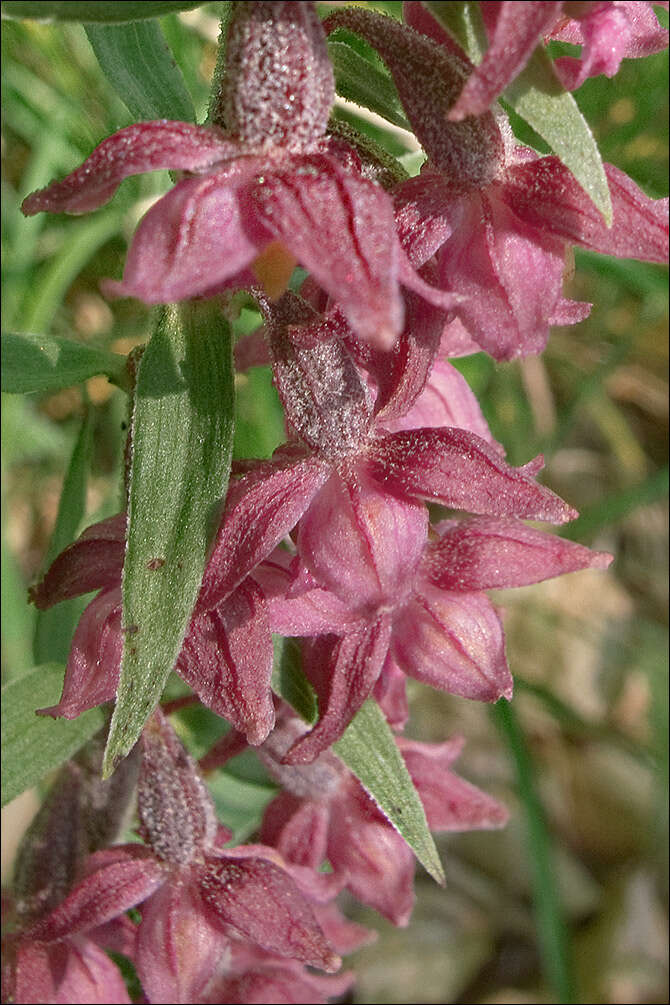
x=194 y=895
x=608 y=32
x=498 y=217
x=266 y=191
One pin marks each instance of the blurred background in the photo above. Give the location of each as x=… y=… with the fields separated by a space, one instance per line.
x=569 y=903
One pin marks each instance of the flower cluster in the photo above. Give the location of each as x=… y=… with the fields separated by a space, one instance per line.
x=373 y=533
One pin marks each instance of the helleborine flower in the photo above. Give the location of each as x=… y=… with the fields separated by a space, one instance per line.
x=268 y=190
x=226 y=656
x=608 y=32
x=323 y=813
x=434 y=624
x=193 y=894
x=498 y=217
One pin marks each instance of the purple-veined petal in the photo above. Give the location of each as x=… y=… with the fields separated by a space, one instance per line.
x=178 y=950
x=422 y=218
x=73 y=972
x=360 y=543
x=485 y=554
x=453 y=642
x=278 y=88
x=92 y=562
x=390 y=693
x=255 y=977
x=94 y=663
x=194 y=239
x=260 y=901
x=145 y=146
x=545 y=194
x=297 y=828
x=227 y=660
x=343 y=672
x=462 y=471
x=341 y=228
x=263 y=506
x=451 y=803
x=117 y=880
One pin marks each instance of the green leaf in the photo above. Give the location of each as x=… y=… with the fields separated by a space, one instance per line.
x=47 y=363
x=289 y=681
x=239 y=804
x=33 y=745
x=369 y=750
x=360 y=81
x=538 y=96
x=182 y=432
x=93 y=10
x=54 y=627
x=140 y=66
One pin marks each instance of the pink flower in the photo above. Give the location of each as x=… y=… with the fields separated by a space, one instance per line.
x=607 y=31
x=271 y=190
x=433 y=623
x=498 y=217
x=323 y=813
x=195 y=896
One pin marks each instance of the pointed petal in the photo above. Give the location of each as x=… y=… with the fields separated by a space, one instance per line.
x=145 y=146
x=117 y=880
x=227 y=660
x=341 y=228
x=545 y=194
x=92 y=562
x=343 y=672
x=263 y=506
x=94 y=663
x=75 y=972
x=518 y=30
x=193 y=240
x=297 y=828
x=483 y=554
x=451 y=803
x=462 y=471
x=263 y=903
x=454 y=642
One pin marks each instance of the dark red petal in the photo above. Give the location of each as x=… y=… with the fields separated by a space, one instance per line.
x=262 y=508
x=145 y=146
x=483 y=554
x=227 y=660
x=263 y=903
x=343 y=672
x=462 y=471
x=93 y=562
x=545 y=194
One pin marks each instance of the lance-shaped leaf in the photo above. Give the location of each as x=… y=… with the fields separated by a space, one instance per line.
x=46 y=363
x=181 y=446
x=370 y=752
x=93 y=10
x=140 y=66
x=33 y=745
x=360 y=81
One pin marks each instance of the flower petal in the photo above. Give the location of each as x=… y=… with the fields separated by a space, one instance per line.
x=483 y=554
x=454 y=642
x=227 y=660
x=145 y=146
x=462 y=471
x=93 y=562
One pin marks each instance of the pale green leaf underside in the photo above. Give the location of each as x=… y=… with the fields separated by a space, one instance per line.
x=182 y=437
x=360 y=81
x=47 y=363
x=33 y=745
x=94 y=10
x=138 y=63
